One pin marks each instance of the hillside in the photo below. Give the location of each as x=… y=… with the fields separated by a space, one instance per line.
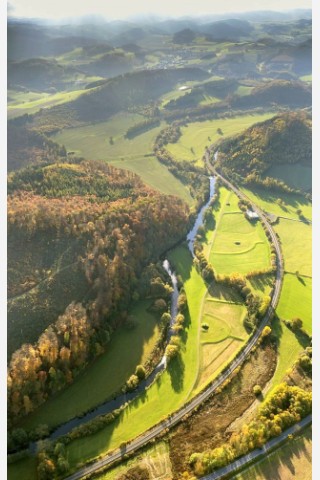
x=27 y=147
x=122 y=93
x=40 y=73
x=80 y=237
x=280 y=92
x=284 y=139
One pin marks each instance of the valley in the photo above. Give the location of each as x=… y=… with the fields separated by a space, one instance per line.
x=118 y=135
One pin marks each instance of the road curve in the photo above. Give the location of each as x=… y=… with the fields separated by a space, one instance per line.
x=176 y=417
x=258 y=452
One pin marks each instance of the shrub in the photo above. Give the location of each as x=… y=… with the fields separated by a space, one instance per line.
x=257 y=390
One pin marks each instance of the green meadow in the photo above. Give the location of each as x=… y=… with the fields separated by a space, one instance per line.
x=127 y=349
x=94 y=142
x=296 y=176
x=197 y=135
x=237 y=245
x=296 y=244
x=296 y=300
x=290 y=203
x=222 y=332
x=30 y=102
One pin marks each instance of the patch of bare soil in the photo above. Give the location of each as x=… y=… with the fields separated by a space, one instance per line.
x=207 y=427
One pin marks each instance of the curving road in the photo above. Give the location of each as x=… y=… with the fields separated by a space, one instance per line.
x=176 y=417
x=258 y=452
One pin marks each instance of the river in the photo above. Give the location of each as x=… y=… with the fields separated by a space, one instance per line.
x=121 y=399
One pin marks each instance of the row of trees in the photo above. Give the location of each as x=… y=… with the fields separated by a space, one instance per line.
x=141 y=127
x=285 y=406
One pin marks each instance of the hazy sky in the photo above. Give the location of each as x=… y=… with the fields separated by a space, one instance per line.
x=125 y=8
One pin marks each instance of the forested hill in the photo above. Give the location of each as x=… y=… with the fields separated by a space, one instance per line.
x=284 y=139
x=122 y=93
x=90 y=232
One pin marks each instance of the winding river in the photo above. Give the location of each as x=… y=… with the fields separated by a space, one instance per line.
x=121 y=399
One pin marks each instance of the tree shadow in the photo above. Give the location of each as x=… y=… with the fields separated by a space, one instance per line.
x=301 y=280
x=223 y=292
x=261 y=281
x=176 y=369
x=286 y=455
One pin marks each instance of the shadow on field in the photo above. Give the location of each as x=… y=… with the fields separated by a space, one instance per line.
x=176 y=371
x=292 y=200
x=260 y=282
x=288 y=455
x=223 y=292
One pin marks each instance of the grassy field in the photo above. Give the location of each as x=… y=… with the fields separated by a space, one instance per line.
x=291 y=203
x=197 y=135
x=22 y=470
x=155 y=462
x=106 y=375
x=174 y=385
x=156 y=175
x=291 y=461
x=224 y=336
x=237 y=245
x=289 y=348
x=296 y=176
x=296 y=300
x=296 y=243
x=93 y=142
x=30 y=102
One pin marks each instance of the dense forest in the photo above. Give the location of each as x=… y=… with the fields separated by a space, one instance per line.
x=119 y=226
x=284 y=139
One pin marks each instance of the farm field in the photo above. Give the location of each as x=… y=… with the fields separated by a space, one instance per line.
x=291 y=461
x=225 y=333
x=296 y=176
x=156 y=175
x=199 y=134
x=289 y=348
x=31 y=102
x=291 y=203
x=296 y=244
x=93 y=142
x=237 y=245
x=126 y=349
x=296 y=300
x=155 y=462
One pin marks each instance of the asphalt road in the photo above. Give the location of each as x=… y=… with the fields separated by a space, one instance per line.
x=175 y=418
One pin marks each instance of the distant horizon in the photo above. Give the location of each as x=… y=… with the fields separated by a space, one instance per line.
x=62 y=10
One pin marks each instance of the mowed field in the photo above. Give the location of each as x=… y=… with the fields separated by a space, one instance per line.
x=195 y=136
x=296 y=244
x=296 y=176
x=154 y=463
x=223 y=315
x=93 y=142
x=291 y=461
x=237 y=245
x=296 y=300
x=126 y=350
